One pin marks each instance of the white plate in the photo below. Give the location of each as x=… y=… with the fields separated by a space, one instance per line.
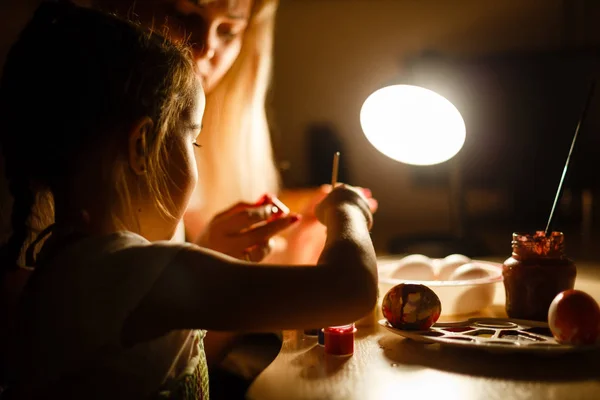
x=505 y=336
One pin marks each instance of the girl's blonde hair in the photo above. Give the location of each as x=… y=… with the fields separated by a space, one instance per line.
x=236 y=162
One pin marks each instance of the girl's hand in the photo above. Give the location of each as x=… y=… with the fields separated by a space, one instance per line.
x=245 y=230
x=304 y=241
x=322 y=192
x=345 y=194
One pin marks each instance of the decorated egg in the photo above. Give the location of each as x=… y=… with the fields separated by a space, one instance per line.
x=468 y=272
x=411 y=307
x=574 y=318
x=449 y=264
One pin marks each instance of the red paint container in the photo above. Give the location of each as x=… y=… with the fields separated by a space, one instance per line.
x=339 y=340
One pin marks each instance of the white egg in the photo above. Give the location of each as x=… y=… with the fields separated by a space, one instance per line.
x=457 y=259
x=415 y=267
x=413 y=258
x=468 y=272
x=448 y=265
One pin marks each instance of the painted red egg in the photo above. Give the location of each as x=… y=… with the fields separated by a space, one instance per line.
x=411 y=307
x=574 y=318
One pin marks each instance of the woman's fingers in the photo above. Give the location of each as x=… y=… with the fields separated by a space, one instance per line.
x=244 y=215
x=244 y=219
x=262 y=233
x=233 y=210
x=245 y=227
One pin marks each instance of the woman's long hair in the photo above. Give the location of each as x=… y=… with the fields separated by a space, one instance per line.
x=236 y=161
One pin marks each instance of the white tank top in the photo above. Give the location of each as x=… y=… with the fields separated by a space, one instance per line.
x=72 y=316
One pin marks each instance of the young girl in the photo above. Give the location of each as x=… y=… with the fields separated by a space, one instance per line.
x=107 y=129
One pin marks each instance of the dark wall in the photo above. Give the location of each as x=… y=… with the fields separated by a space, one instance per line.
x=521 y=111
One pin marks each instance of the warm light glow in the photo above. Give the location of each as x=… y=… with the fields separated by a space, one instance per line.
x=412 y=125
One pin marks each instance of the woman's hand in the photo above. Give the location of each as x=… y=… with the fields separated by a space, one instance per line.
x=245 y=231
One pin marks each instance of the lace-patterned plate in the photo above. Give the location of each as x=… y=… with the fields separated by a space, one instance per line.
x=498 y=335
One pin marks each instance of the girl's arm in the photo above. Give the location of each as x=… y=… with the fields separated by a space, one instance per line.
x=205 y=289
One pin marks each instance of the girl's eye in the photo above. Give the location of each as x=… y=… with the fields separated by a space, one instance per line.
x=197 y=145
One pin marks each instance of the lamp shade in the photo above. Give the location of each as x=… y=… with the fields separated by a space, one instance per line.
x=412 y=125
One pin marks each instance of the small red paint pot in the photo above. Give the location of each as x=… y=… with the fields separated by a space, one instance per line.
x=339 y=340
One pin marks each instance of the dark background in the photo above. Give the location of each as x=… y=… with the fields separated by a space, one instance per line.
x=517 y=70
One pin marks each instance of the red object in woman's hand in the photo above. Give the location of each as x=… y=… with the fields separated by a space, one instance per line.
x=574 y=318
x=263 y=200
x=278 y=209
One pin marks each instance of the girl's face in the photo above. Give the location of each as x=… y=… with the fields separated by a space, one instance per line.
x=182 y=177
x=214 y=28
x=181 y=167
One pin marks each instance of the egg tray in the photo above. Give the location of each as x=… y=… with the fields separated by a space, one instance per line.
x=492 y=334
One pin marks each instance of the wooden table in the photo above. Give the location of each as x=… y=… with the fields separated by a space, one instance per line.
x=387 y=366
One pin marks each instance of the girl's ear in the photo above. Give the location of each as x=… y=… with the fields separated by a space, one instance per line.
x=138 y=137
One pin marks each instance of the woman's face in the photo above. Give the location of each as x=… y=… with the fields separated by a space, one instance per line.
x=214 y=28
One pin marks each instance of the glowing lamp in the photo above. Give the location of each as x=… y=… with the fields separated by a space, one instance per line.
x=412 y=125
